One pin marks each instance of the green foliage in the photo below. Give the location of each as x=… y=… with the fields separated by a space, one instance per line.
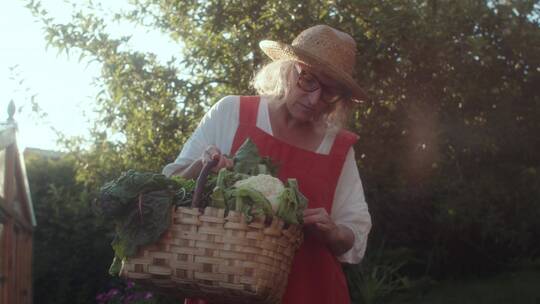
x=510 y=287
x=381 y=275
x=142 y=102
x=71 y=247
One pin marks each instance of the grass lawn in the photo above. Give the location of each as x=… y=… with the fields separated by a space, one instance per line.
x=509 y=288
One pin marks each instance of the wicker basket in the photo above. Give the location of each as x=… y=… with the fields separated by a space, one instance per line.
x=217 y=258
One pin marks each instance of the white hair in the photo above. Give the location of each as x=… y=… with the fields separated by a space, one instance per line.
x=272 y=80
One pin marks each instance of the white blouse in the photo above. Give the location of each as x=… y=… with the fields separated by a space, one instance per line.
x=218 y=127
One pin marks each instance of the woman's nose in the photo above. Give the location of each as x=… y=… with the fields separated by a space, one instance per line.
x=314 y=97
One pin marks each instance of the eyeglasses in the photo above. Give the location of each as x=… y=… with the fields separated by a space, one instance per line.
x=308 y=82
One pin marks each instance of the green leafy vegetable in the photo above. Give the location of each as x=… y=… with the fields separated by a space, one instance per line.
x=221 y=196
x=292 y=204
x=251 y=202
x=140 y=204
x=116 y=196
x=248 y=161
x=257 y=191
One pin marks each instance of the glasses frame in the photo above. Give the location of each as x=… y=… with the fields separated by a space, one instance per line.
x=301 y=83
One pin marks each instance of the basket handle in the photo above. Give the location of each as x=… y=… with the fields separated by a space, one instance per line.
x=201 y=182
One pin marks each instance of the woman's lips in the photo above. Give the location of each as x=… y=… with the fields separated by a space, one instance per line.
x=306 y=108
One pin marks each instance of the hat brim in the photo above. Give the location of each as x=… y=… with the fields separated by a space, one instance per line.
x=278 y=51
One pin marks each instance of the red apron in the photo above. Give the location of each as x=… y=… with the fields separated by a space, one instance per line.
x=316 y=276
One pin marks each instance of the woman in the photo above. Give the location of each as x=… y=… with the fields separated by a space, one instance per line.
x=305 y=94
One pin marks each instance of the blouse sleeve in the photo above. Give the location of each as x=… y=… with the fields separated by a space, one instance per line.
x=350 y=209
x=217 y=127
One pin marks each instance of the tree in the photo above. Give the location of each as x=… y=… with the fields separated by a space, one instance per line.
x=72 y=246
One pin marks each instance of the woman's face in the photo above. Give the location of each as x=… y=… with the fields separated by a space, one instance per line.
x=312 y=94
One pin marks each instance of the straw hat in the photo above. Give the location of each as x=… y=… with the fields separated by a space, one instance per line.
x=322 y=48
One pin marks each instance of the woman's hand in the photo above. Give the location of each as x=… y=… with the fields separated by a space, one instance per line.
x=192 y=170
x=212 y=152
x=338 y=238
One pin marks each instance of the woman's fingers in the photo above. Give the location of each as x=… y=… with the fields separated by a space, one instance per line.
x=224 y=162
x=316 y=215
x=326 y=227
x=229 y=163
x=308 y=212
x=212 y=153
x=318 y=221
x=314 y=218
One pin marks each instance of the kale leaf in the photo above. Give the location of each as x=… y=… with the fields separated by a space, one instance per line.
x=140 y=205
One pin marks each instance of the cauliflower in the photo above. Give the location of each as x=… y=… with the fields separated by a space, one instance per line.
x=269 y=186
x=251 y=189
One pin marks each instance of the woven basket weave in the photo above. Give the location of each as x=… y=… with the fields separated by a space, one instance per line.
x=219 y=258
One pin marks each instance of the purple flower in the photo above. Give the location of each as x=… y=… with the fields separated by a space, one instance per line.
x=128 y=293
x=113 y=292
x=148 y=295
x=130 y=298
x=101 y=297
